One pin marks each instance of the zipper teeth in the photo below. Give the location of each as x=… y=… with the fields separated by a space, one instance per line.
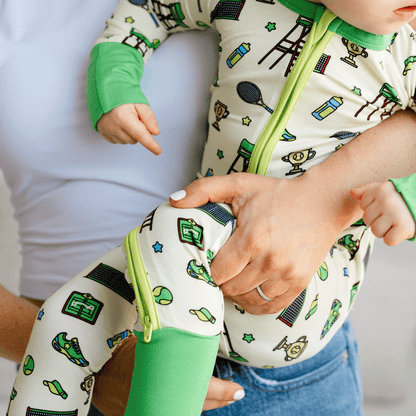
x=271 y=133
x=133 y=276
x=144 y=296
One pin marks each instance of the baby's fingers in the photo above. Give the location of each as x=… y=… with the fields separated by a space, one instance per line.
x=120 y=137
x=364 y=194
x=372 y=213
x=380 y=226
x=392 y=232
x=138 y=132
x=395 y=235
x=357 y=193
x=147 y=117
x=122 y=125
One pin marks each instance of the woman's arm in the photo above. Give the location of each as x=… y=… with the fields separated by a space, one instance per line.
x=385 y=151
x=17 y=318
x=287 y=227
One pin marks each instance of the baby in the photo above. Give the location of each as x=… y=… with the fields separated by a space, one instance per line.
x=296 y=81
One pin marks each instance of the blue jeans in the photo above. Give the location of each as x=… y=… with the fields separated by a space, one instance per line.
x=327 y=384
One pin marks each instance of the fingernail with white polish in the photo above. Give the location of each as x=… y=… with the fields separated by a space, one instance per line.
x=239 y=394
x=176 y=196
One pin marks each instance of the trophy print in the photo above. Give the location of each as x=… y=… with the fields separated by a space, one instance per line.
x=220 y=113
x=298 y=158
x=354 y=50
x=293 y=350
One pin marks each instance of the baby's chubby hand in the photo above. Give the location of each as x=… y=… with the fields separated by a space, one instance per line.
x=130 y=123
x=385 y=212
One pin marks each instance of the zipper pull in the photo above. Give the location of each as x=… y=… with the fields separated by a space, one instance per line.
x=148 y=328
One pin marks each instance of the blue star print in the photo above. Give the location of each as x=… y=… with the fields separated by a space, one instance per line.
x=157 y=247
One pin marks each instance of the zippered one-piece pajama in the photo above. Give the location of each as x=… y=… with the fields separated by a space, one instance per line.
x=295 y=83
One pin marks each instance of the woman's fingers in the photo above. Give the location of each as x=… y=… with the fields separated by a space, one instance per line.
x=222 y=393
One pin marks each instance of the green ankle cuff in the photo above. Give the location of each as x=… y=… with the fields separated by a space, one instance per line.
x=171 y=373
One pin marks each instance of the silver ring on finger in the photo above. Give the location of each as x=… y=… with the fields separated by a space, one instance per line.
x=260 y=292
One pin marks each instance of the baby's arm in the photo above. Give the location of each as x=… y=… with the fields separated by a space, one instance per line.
x=118 y=108
x=386 y=211
x=130 y=123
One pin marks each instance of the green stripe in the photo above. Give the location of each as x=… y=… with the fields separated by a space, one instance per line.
x=344 y=29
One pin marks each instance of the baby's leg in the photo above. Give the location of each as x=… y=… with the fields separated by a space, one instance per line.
x=74 y=334
x=308 y=324
x=180 y=307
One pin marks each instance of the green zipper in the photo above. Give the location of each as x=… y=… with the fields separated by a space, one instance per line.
x=146 y=305
x=318 y=39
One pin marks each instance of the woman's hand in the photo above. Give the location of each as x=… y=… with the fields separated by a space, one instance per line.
x=222 y=393
x=285 y=229
x=112 y=384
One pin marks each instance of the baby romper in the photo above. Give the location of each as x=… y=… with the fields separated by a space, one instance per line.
x=248 y=103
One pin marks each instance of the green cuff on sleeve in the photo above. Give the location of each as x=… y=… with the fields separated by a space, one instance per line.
x=113 y=79
x=171 y=373
x=406 y=187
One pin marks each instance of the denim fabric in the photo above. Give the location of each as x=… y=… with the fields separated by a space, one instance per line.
x=327 y=384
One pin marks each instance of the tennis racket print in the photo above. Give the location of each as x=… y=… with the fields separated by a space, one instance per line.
x=250 y=93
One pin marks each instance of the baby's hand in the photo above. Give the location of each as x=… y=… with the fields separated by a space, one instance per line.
x=385 y=212
x=130 y=123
